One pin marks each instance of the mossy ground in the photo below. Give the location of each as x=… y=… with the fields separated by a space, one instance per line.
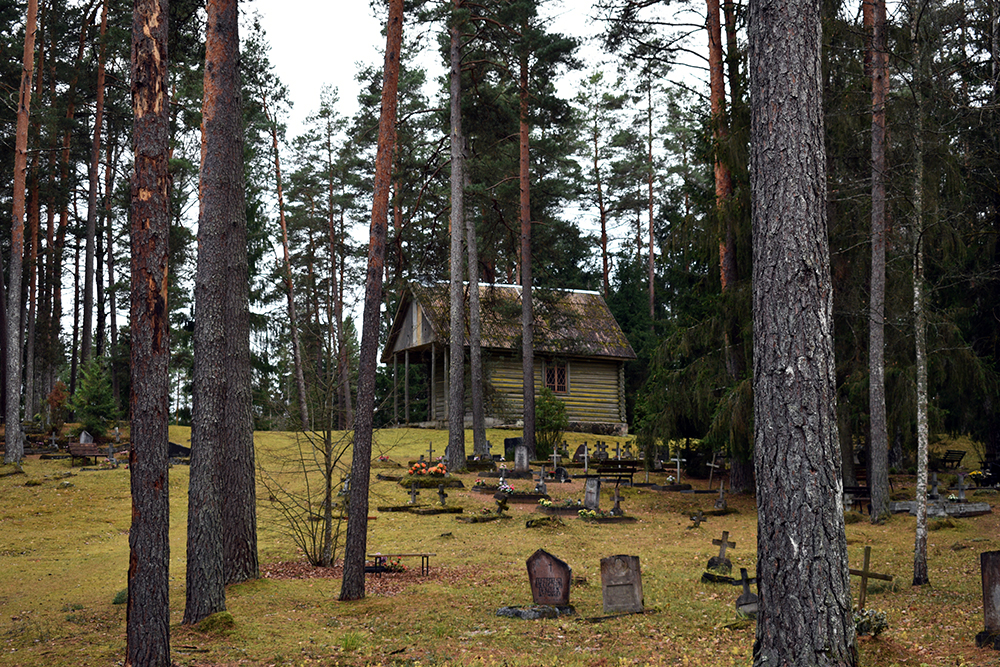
x=64 y=555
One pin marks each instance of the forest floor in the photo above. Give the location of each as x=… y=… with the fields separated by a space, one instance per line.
x=64 y=557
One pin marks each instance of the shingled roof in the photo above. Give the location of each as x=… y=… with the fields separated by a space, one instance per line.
x=567 y=323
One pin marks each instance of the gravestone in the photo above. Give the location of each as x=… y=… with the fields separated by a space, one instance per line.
x=629 y=454
x=509 y=445
x=698 y=519
x=618 y=451
x=747 y=603
x=720 y=502
x=602 y=451
x=961 y=487
x=540 y=486
x=441 y=494
x=561 y=475
x=721 y=563
x=580 y=453
x=865 y=575
x=617 y=509
x=118 y=435
x=521 y=458
x=989 y=563
x=549 y=578
x=592 y=494
x=621 y=584
x=86 y=438
x=413 y=493
x=932 y=493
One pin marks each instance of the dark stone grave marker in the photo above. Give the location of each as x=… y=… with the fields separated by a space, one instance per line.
x=720 y=503
x=617 y=509
x=521 y=458
x=549 y=578
x=747 y=603
x=698 y=519
x=580 y=454
x=932 y=493
x=509 y=445
x=86 y=438
x=441 y=494
x=621 y=584
x=413 y=493
x=989 y=564
x=602 y=451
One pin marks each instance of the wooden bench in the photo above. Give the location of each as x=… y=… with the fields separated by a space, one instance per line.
x=85 y=451
x=952 y=458
x=859 y=497
x=618 y=469
x=381 y=560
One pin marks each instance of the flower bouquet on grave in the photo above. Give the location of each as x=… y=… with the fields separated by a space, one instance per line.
x=421 y=468
x=977 y=476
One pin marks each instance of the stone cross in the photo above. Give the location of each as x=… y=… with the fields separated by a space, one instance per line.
x=118 y=435
x=865 y=575
x=413 y=493
x=698 y=519
x=723 y=543
x=618 y=450
x=503 y=472
x=54 y=445
x=720 y=504
x=441 y=494
x=932 y=494
x=540 y=486
x=489 y=450
x=961 y=487
x=678 y=460
x=628 y=451
x=502 y=505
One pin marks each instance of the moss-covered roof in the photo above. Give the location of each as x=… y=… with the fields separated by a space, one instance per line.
x=570 y=323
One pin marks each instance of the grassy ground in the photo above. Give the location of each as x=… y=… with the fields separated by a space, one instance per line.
x=64 y=554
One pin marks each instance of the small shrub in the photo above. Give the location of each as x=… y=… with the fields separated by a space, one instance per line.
x=550 y=422
x=33 y=482
x=870 y=622
x=121 y=597
x=351 y=641
x=94 y=402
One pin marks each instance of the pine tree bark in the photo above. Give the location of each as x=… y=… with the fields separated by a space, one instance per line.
x=527 y=312
x=356 y=539
x=222 y=542
x=148 y=623
x=455 y=452
x=805 y=602
x=14 y=442
x=878 y=445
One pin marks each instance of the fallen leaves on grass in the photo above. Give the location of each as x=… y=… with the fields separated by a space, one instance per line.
x=386 y=584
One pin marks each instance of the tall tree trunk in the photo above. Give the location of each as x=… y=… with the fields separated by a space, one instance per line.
x=238 y=474
x=650 y=174
x=148 y=614
x=300 y=379
x=95 y=161
x=455 y=453
x=222 y=539
x=601 y=208
x=356 y=540
x=805 y=595
x=878 y=444
x=527 y=312
x=14 y=442
x=109 y=170
x=920 y=574
x=343 y=362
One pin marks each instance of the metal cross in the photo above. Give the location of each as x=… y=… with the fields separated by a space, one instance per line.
x=677 y=459
x=723 y=543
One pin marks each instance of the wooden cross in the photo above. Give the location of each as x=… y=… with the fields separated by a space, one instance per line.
x=699 y=519
x=678 y=460
x=430 y=453
x=502 y=506
x=441 y=494
x=723 y=543
x=711 y=469
x=413 y=493
x=865 y=575
x=586 y=457
x=556 y=459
